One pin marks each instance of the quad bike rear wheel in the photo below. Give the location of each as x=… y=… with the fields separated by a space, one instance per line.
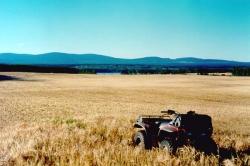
x=141 y=140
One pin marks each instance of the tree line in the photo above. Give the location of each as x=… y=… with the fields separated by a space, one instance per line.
x=123 y=69
x=199 y=71
x=155 y=71
x=241 y=71
x=43 y=69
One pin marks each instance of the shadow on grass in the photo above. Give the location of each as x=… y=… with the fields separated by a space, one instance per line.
x=12 y=78
x=9 y=78
x=233 y=154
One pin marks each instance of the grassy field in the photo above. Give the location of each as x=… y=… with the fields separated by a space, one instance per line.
x=64 y=119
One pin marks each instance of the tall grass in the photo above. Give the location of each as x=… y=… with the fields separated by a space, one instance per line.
x=108 y=143
x=88 y=120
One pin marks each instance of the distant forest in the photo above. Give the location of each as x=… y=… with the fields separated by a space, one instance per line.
x=125 y=69
x=38 y=69
x=241 y=71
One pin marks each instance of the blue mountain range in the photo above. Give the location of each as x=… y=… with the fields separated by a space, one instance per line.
x=56 y=58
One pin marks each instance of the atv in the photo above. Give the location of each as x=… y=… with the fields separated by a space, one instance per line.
x=172 y=130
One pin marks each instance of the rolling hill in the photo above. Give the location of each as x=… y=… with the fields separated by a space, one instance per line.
x=56 y=58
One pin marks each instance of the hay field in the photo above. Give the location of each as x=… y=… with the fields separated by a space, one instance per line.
x=66 y=119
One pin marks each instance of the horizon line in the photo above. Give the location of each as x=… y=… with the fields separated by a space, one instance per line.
x=121 y=58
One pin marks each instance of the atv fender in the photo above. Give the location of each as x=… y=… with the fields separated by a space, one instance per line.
x=166 y=132
x=139 y=123
x=168 y=127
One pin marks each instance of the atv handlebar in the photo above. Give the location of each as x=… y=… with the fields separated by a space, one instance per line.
x=169 y=112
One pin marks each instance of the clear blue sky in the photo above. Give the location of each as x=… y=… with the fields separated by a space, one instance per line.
x=128 y=28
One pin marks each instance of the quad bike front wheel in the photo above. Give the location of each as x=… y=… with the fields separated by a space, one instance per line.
x=141 y=140
x=167 y=145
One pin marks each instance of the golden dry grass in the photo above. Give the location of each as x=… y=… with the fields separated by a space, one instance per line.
x=62 y=119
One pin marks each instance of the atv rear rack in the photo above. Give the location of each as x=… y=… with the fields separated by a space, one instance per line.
x=165 y=114
x=154 y=116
